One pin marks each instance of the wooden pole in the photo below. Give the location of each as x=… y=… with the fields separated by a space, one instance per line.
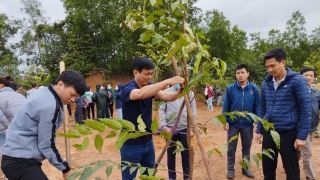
x=66 y=122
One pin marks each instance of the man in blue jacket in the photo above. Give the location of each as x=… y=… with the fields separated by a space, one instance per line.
x=306 y=152
x=285 y=102
x=241 y=96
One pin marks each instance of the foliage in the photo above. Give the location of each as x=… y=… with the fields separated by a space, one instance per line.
x=8 y=61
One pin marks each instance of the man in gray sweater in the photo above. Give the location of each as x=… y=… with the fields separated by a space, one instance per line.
x=31 y=135
x=167 y=124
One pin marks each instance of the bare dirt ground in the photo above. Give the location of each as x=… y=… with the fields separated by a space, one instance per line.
x=215 y=138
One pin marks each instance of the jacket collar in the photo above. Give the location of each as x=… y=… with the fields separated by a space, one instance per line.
x=56 y=96
x=6 y=89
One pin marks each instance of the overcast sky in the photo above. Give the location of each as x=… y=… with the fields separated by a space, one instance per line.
x=249 y=15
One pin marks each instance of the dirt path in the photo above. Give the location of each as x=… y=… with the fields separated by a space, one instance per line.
x=215 y=138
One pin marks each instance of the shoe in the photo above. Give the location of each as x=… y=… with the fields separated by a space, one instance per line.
x=230 y=174
x=4 y=177
x=247 y=173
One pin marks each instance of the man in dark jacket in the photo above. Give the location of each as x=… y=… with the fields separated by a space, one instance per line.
x=284 y=101
x=306 y=152
x=100 y=98
x=241 y=96
x=80 y=111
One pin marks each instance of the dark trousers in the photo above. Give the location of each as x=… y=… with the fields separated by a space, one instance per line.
x=246 y=141
x=80 y=114
x=171 y=157
x=107 y=112
x=110 y=106
x=90 y=106
x=69 y=109
x=289 y=155
x=22 y=169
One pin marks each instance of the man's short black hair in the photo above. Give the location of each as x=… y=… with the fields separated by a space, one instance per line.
x=73 y=79
x=306 y=69
x=141 y=63
x=278 y=53
x=33 y=85
x=241 y=66
x=5 y=80
x=88 y=88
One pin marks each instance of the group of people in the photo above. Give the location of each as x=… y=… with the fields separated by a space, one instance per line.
x=104 y=98
x=287 y=99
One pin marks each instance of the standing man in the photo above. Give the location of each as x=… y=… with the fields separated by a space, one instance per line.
x=241 y=95
x=306 y=152
x=285 y=102
x=167 y=124
x=112 y=97
x=137 y=98
x=31 y=135
x=34 y=87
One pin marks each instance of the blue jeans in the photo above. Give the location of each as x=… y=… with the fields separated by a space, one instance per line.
x=143 y=154
x=210 y=108
x=120 y=113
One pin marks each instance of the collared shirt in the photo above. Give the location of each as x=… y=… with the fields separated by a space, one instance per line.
x=275 y=84
x=310 y=89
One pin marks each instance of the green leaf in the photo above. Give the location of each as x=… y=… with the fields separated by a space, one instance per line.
x=230 y=115
x=99 y=165
x=189 y=48
x=142 y=170
x=182 y=7
x=150 y=171
x=248 y=165
x=73 y=176
x=218 y=152
x=224 y=147
x=173 y=50
x=154 y=126
x=178 y=150
x=109 y=170
x=153 y=2
x=172 y=115
x=259 y=156
x=256 y=159
x=233 y=138
x=168 y=136
x=174 y=5
x=86 y=173
x=215 y=121
x=210 y=153
x=132 y=169
x=141 y=125
x=98 y=142
x=71 y=134
x=197 y=63
x=189 y=30
x=136 y=134
x=222 y=119
x=178 y=143
x=95 y=125
x=275 y=137
x=204 y=129
x=111 y=135
x=83 y=146
x=123 y=136
x=111 y=123
x=127 y=125
x=243 y=164
x=82 y=129
x=267 y=153
x=146 y=36
x=223 y=66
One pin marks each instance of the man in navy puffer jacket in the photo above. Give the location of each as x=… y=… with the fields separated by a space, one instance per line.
x=241 y=96
x=285 y=102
